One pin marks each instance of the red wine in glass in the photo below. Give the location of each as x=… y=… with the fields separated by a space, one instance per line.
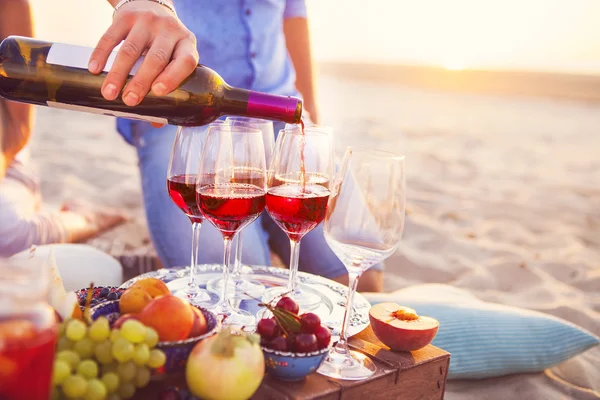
x=182 y=190
x=230 y=206
x=297 y=209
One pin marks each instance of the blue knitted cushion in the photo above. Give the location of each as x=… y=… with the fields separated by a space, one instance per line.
x=486 y=339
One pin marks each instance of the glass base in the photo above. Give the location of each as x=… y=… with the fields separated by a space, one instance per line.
x=235 y=318
x=351 y=365
x=197 y=296
x=239 y=288
x=306 y=300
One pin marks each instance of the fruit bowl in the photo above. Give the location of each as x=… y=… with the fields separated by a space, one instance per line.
x=177 y=352
x=289 y=366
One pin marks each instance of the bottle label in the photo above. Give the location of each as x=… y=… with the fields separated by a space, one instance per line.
x=69 y=55
x=110 y=113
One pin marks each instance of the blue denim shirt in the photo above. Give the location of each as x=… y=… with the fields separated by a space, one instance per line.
x=243 y=41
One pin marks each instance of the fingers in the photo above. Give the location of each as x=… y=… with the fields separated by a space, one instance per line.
x=111 y=38
x=185 y=61
x=128 y=54
x=155 y=62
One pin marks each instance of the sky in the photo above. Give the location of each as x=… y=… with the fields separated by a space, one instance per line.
x=542 y=35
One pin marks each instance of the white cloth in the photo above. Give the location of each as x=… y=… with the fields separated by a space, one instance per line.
x=79 y=265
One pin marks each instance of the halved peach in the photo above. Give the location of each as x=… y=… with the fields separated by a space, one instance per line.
x=401 y=328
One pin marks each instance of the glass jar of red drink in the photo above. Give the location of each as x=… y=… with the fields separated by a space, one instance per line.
x=28 y=330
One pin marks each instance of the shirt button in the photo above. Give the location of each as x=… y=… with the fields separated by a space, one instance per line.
x=248 y=11
x=253 y=55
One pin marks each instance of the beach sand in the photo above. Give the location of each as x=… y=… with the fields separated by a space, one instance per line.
x=503 y=199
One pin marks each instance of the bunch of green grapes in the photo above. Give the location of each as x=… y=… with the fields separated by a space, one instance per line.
x=96 y=363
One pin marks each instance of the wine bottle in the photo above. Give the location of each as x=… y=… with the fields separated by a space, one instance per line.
x=56 y=75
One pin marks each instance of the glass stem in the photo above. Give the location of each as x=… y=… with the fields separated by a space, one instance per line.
x=194 y=261
x=342 y=345
x=294 y=258
x=226 y=262
x=237 y=267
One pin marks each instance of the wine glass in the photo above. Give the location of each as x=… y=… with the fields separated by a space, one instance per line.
x=244 y=288
x=298 y=189
x=229 y=199
x=181 y=184
x=363 y=226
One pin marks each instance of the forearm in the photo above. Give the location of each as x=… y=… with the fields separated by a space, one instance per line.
x=298 y=44
x=15 y=119
x=15 y=18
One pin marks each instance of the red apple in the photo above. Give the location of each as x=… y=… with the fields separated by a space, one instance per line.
x=401 y=328
x=199 y=327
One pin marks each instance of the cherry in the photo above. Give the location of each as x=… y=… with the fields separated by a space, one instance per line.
x=286 y=303
x=305 y=343
x=279 y=344
x=323 y=336
x=268 y=328
x=310 y=322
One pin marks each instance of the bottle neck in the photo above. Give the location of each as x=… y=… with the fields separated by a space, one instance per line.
x=248 y=103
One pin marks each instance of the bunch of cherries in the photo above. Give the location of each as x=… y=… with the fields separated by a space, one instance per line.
x=289 y=332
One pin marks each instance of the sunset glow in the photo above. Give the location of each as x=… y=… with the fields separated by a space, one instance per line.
x=549 y=35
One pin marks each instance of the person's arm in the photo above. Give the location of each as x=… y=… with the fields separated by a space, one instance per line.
x=145 y=26
x=16 y=119
x=297 y=38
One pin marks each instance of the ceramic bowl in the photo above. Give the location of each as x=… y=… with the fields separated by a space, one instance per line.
x=177 y=352
x=289 y=366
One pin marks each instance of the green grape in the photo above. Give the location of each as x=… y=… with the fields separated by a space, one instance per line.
x=126 y=371
x=115 y=334
x=122 y=350
x=74 y=386
x=113 y=396
x=151 y=337
x=65 y=344
x=61 y=371
x=95 y=390
x=103 y=352
x=100 y=330
x=75 y=330
x=142 y=377
x=133 y=330
x=88 y=369
x=70 y=357
x=84 y=347
x=157 y=359
x=111 y=381
x=141 y=354
x=127 y=390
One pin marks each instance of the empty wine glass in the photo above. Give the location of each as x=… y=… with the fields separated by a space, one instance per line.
x=243 y=287
x=229 y=199
x=181 y=184
x=298 y=189
x=363 y=226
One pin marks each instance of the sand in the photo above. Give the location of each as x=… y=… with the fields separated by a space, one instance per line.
x=503 y=200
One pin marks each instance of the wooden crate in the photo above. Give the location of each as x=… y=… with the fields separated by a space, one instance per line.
x=420 y=375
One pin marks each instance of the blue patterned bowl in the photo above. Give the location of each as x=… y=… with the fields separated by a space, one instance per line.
x=97 y=299
x=289 y=366
x=177 y=352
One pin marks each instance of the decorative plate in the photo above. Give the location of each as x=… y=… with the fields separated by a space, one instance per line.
x=331 y=309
